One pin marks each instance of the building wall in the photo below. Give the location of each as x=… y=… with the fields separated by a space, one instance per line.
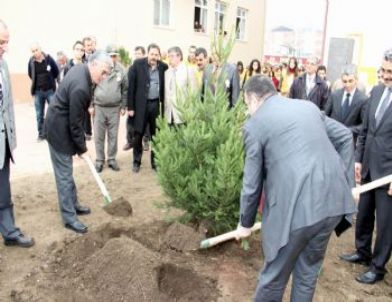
x=127 y=23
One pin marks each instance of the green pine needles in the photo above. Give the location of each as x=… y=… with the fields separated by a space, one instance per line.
x=200 y=163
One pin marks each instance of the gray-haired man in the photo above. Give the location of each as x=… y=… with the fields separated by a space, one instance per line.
x=65 y=132
x=110 y=100
x=307 y=187
x=11 y=234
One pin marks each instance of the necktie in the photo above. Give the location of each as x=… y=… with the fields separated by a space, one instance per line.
x=346 y=106
x=383 y=107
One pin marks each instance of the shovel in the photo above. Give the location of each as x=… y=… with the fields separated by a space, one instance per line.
x=207 y=243
x=98 y=179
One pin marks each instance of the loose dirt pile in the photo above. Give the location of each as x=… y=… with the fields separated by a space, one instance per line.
x=119 y=207
x=182 y=238
x=114 y=264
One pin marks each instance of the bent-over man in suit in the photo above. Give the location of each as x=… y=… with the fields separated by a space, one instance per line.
x=373 y=159
x=307 y=186
x=11 y=234
x=347 y=104
x=65 y=131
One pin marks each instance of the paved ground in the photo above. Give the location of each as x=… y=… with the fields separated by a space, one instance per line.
x=32 y=157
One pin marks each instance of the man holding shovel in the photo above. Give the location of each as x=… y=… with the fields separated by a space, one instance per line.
x=307 y=185
x=65 y=132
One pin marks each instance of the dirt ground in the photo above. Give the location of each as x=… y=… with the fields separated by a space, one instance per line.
x=136 y=258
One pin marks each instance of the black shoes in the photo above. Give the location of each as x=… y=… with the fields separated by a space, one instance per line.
x=81 y=210
x=356 y=258
x=98 y=167
x=20 y=241
x=369 y=277
x=114 y=166
x=77 y=227
x=136 y=168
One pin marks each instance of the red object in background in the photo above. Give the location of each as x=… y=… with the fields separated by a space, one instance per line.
x=276 y=82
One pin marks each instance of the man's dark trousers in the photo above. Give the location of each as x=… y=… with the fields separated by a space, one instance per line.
x=66 y=189
x=7 y=221
x=375 y=205
x=152 y=111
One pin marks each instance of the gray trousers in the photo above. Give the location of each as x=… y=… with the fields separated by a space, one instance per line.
x=66 y=189
x=7 y=222
x=302 y=256
x=106 y=120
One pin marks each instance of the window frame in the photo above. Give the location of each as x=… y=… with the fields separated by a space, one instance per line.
x=220 y=10
x=203 y=6
x=160 y=12
x=242 y=16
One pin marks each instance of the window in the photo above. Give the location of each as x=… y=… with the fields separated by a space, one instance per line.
x=162 y=12
x=200 y=21
x=220 y=11
x=240 y=23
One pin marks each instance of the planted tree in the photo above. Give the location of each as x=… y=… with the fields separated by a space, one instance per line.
x=200 y=163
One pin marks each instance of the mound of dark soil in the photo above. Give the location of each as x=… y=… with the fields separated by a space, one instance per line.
x=119 y=207
x=180 y=237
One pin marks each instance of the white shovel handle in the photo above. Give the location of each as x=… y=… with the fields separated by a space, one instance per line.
x=372 y=185
x=225 y=237
x=257 y=226
x=98 y=179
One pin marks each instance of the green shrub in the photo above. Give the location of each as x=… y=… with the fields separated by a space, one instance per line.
x=200 y=163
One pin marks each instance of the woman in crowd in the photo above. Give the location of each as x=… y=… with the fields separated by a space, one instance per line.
x=288 y=76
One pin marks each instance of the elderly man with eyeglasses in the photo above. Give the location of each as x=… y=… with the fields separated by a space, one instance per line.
x=65 y=132
x=373 y=160
x=346 y=105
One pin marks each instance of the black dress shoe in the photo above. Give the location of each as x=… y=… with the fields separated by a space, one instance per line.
x=114 y=166
x=136 y=168
x=81 y=210
x=21 y=241
x=99 y=168
x=77 y=227
x=369 y=277
x=355 y=258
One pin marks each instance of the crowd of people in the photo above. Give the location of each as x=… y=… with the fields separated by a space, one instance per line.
x=307 y=184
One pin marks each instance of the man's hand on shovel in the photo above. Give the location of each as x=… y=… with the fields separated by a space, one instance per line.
x=242 y=232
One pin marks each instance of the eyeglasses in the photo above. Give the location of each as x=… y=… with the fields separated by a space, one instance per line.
x=348 y=81
x=388 y=71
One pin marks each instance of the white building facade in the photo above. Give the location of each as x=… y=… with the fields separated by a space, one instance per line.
x=56 y=25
